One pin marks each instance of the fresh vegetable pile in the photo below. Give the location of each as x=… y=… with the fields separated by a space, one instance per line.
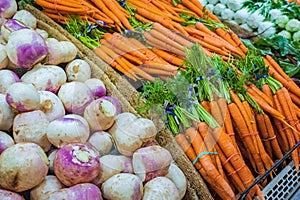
x=232 y=110
x=62 y=136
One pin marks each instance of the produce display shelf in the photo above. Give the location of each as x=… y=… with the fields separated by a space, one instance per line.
x=119 y=88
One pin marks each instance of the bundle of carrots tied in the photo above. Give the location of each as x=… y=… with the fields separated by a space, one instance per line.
x=242 y=115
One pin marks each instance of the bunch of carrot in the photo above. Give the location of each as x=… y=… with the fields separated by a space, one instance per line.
x=135 y=60
x=107 y=13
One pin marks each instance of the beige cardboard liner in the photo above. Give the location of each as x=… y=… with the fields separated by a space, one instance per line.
x=127 y=95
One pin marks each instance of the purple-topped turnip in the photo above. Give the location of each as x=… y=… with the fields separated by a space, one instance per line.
x=75 y=96
x=27 y=171
x=150 y=162
x=45 y=188
x=83 y=191
x=32 y=127
x=102 y=141
x=7 y=114
x=51 y=105
x=26 y=18
x=5 y=141
x=97 y=86
x=60 y=51
x=23 y=97
x=76 y=163
x=26 y=48
x=131 y=133
x=3 y=57
x=100 y=114
x=8 y=8
x=10 y=26
x=123 y=186
x=112 y=165
x=113 y=101
x=7 y=77
x=176 y=175
x=78 y=70
x=160 y=188
x=9 y=195
x=45 y=77
x=68 y=129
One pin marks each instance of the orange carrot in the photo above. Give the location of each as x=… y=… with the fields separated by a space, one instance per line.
x=187 y=149
x=272 y=137
x=100 y=4
x=295 y=99
x=289 y=132
x=264 y=133
x=120 y=42
x=172 y=35
x=154 y=42
x=171 y=58
x=206 y=162
x=253 y=88
x=248 y=138
x=245 y=115
x=118 y=13
x=106 y=58
x=280 y=127
x=163 y=38
x=227 y=121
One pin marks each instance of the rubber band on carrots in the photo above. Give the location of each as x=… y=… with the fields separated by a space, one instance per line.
x=202 y=154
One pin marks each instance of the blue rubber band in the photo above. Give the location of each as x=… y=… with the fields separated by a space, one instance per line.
x=202 y=154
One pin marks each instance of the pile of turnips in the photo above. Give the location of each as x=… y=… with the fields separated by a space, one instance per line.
x=61 y=135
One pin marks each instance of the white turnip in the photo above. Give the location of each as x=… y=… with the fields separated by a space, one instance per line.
x=60 y=51
x=176 y=175
x=9 y=195
x=6 y=114
x=26 y=48
x=83 y=191
x=123 y=186
x=78 y=70
x=131 y=133
x=23 y=97
x=45 y=77
x=3 y=57
x=150 y=162
x=51 y=156
x=7 y=77
x=26 y=18
x=42 y=32
x=160 y=188
x=75 y=96
x=51 y=105
x=113 y=101
x=45 y=188
x=112 y=165
x=102 y=141
x=68 y=129
x=97 y=86
x=32 y=127
x=9 y=26
x=5 y=141
x=8 y=8
x=100 y=114
x=76 y=163
x=27 y=171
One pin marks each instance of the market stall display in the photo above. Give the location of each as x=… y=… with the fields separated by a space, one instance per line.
x=230 y=108
x=39 y=118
